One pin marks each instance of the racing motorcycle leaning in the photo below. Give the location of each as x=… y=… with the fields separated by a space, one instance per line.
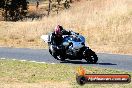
x=72 y=48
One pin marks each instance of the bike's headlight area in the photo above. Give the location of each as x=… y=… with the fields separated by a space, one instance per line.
x=65 y=43
x=77 y=45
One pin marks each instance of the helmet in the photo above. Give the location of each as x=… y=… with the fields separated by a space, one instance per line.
x=57 y=30
x=61 y=28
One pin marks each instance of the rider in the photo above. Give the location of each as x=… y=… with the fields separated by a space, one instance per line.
x=56 y=36
x=56 y=42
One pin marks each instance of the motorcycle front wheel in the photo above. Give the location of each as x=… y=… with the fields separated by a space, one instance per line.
x=58 y=57
x=91 y=57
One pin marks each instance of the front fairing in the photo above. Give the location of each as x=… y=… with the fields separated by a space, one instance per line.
x=77 y=41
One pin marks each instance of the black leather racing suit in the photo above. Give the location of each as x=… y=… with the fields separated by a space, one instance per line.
x=56 y=40
x=57 y=47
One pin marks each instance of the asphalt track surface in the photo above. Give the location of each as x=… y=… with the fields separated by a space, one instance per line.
x=116 y=61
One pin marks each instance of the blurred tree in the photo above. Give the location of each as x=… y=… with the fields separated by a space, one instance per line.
x=37 y=4
x=49 y=7
x=58 y=1
x=67 y=4
x=2 y=3
x=14 y=10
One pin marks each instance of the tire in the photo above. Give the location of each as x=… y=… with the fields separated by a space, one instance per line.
x=50 y=51
x=57 y=54
x=58 y=57
x=91 y=56
x=61 y=58
x=93 y=59
x=53 y=53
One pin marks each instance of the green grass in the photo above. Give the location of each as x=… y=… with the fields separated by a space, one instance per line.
x=30 y=72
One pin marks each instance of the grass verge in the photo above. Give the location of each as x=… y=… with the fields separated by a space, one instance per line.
x=37 y=75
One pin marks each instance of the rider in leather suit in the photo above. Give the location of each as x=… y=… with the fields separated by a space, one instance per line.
x=56 y=39
x=56 y=36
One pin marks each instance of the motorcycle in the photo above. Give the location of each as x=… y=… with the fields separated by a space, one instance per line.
x=72 y=48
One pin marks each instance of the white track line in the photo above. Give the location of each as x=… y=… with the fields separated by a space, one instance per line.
x=33 y=61
x=28 y=61
x=41 y=62
x=13 y=59
x=52 y=63
x=2 y=58
x=22 y=60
